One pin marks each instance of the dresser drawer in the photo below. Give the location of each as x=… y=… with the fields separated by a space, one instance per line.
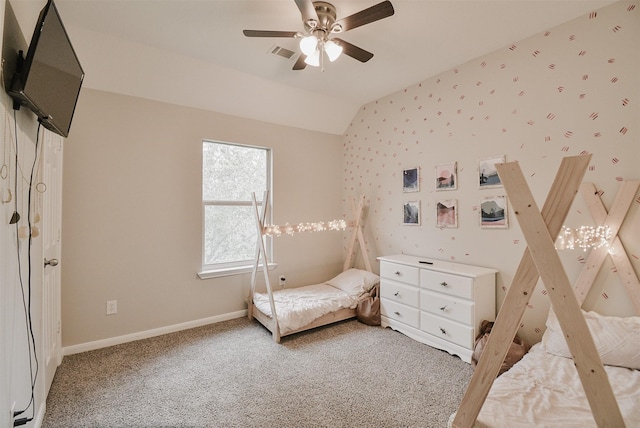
x=400 y=312
x=399 y=292
x=452 y=331
x=398 y=272
x=459 y=286
x=447 y=306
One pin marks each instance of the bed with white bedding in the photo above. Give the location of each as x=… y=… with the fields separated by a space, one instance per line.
x=302 y=308
x=544 y=389
x=298 y=307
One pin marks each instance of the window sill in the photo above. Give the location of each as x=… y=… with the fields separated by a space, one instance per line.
x=237 y=270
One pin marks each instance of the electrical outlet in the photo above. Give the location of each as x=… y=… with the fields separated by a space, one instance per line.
x=112 y=307
x=282 y=280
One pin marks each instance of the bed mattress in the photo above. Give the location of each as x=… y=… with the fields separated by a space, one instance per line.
x=297 y=307
x=544 y=390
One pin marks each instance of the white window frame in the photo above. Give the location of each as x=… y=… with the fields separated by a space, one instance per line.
x=243 y=266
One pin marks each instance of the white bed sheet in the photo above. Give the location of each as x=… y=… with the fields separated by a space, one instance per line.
x=544 y=390
x=297 y=307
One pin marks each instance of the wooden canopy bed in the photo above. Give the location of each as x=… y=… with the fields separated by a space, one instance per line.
x=586 y=369
x=288 y=311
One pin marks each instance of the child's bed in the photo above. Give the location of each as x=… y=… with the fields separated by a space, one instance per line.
x=585 y=373
x=544 y=389
x=289 y=311
x=311 y=306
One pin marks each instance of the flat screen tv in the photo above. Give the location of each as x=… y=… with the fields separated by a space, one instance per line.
x=49 y=78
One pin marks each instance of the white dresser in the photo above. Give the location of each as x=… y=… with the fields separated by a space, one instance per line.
x=435 y=302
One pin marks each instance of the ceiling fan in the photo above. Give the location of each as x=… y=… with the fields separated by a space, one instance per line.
x=319 y=19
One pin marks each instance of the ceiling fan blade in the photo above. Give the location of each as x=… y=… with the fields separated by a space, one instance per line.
x=269 y=33
x=366 y=16
x=307 y=9
x=300 y=64
x=353 y=51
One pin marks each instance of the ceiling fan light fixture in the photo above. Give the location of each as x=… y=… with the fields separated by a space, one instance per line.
x=319 y=20
x=313 y=59
x=309 y=45
x=332 y=49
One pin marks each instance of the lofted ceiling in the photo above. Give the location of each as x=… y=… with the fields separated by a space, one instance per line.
x=193 y=52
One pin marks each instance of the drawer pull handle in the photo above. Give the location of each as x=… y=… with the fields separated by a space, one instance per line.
x=444 y=284
x=397 y=313
x=443 y=331
x=398 y=273
x=444 y=308
x=397 y=294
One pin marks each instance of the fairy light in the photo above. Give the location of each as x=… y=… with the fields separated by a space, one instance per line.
x=272 y=230
x=337 y=225
x=584 y=237
x=304 y=227
x=289 y=229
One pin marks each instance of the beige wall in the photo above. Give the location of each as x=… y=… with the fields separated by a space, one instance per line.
x=132 y=217
x=571 y=90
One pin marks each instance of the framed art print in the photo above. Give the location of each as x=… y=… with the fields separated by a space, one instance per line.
x=411 y=213
x=487 y=173
x=411 y=180
x=493 y=212
x=447 y=176
x=447 y=213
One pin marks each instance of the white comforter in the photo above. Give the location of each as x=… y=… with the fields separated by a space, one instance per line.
x=297 y=307
x=544 y=390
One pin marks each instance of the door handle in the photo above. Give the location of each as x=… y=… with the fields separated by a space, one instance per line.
x=50 y=262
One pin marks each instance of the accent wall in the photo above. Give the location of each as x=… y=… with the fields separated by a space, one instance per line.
x=571 y=90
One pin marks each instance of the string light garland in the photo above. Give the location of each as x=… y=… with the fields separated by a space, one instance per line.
x=584 y=237
x=291 y=229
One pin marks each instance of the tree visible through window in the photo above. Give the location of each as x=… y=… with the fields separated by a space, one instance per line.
x=230 y=173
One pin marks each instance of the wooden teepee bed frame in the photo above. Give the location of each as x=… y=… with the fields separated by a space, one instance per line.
x=271 y=322
x=541 y=260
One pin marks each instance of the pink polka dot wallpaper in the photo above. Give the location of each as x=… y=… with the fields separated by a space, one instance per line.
x=571 y=90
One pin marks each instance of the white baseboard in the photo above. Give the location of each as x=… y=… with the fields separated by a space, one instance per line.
x=104 y=343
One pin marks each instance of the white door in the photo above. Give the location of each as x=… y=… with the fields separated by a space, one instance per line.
x=49 y=191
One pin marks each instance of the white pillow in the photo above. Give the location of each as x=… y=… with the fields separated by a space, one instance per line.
x=354 y=281
x=617 y=339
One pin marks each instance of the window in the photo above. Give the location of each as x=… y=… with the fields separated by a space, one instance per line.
x=230 y=174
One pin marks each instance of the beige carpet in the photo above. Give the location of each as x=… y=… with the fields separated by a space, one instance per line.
x=232 y=374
